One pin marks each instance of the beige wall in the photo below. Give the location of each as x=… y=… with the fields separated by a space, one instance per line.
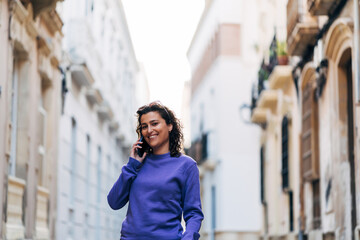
x=33 y=61
x=274 y=103
x=4 y=46
x=335 y=190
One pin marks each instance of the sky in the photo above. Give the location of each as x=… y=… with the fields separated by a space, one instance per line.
x=161 y=32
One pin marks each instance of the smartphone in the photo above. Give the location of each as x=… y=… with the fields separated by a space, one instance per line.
x=140 y=151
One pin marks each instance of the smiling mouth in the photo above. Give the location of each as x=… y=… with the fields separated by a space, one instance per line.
x=152 y=137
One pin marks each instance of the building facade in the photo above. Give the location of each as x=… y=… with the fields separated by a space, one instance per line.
x=30 y=86
x=223 y=60
x=97 y=125
x=323 y=80
x=275 y=109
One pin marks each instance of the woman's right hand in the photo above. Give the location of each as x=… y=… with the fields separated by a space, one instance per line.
x=133 y=152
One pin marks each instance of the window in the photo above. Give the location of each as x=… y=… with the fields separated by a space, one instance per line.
x=71 y=224
x=310 y=148
x=86 y=226
x=204 y=148
x=291 y=211
x=309 y=136
x=285 y=153
x=213 y=211
x=99 y=175
x=20 y=113
x=89 y=7
x=14 y=119
x=98 y=199
x=329 y=236
x=88 y=165
x=42 y=131
x=73 y=160
x=316 y=204
x=262 y=175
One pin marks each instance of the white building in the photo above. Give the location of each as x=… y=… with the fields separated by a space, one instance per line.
x=224 y=60
x=97 y=126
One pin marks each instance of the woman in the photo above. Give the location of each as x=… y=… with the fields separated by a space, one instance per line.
x=160 y=186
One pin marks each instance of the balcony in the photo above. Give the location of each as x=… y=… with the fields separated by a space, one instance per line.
x=269 y=100
x=93 y=96
x=114 y=126
x=14 y=224
x=42 y=5
x=301 y=28
x=104 y=112
x=280 y=77
x=321 y=7
x=53 y=21
x=42 y=228
x=274 y=75
x=260 y=115
x=81 y=75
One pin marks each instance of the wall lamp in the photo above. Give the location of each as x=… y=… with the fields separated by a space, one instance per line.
x=322 y=71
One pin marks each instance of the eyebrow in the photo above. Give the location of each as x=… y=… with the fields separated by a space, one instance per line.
x=151 y=121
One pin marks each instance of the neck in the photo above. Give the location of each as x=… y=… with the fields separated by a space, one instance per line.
x=161 y=150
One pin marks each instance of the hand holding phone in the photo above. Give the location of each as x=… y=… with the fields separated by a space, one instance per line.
x=140 y=151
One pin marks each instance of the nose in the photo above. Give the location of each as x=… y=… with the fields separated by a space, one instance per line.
x=149 y=129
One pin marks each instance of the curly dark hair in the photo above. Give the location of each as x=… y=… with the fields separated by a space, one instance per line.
x=176 y=136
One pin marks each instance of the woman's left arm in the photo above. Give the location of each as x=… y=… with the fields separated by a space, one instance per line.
x=193 y=215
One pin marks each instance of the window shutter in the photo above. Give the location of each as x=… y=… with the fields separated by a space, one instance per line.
x=262 y=176
x=285 y=153
x=309 y=138
x=316 y=204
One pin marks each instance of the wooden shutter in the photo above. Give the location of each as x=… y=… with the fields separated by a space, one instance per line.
x=309 y=136
x=262 y=175
x=316 y=204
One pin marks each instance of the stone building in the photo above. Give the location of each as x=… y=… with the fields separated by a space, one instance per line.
x=322 y=81
x=30 y=86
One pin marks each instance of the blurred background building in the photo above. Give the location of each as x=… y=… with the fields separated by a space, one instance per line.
x=97 y=124
x=223 y=61
x=68 y=104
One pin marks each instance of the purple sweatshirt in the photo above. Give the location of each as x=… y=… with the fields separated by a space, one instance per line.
x=159 y=191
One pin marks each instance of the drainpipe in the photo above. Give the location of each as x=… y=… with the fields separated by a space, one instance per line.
x=356 y=50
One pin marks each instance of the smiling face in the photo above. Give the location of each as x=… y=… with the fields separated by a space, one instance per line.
x=156 y=132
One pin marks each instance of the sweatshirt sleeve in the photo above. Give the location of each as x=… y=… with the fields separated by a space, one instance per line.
x=193 y=215
x=119 y=193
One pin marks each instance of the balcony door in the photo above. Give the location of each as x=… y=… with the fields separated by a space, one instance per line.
x=346 y=117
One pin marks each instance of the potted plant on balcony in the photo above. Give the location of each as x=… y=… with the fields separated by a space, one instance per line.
x=282 y=56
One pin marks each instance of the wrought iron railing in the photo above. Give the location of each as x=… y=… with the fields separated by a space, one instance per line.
x=276 y=49
x=199 y=149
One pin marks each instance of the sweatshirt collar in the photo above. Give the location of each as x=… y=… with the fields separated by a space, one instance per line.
x=160 y=156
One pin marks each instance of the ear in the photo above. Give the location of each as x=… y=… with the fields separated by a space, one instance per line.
x=170 y=127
